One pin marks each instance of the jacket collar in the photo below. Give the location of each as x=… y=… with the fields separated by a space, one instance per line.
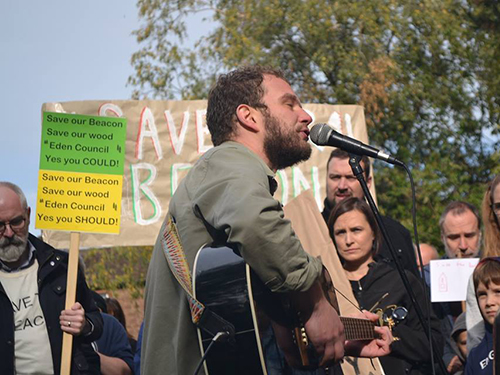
x=43 y=251
x=48 y=258
x=273 y=185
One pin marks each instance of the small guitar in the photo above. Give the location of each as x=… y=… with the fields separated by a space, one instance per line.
x=226 y=285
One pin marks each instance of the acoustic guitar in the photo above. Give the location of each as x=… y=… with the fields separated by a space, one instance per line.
x=226 y=285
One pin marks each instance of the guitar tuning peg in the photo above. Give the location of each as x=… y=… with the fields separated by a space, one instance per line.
x=390 y=323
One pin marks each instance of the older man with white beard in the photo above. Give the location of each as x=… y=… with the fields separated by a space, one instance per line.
x=32 y=299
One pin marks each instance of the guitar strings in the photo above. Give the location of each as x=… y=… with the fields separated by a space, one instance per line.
x=352 y=303
x=348 y=300
x=378 y=302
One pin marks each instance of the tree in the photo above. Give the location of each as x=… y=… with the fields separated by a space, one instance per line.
x=415 y=66
x=485 y=15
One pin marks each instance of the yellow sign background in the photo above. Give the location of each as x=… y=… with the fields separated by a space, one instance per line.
x=83 y=202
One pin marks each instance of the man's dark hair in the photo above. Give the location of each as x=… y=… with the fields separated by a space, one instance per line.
x=342 y=155
x=459 y=208
x=241 y=86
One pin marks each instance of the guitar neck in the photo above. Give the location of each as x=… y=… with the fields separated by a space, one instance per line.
x=358 y=329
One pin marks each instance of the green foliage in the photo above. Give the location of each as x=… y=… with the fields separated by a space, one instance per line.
x=117 y=268
x=486 y=18
x=427 y=73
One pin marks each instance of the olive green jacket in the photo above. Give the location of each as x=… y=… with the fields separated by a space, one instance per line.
x=232 y=187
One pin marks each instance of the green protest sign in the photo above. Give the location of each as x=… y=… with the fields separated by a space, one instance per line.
x=79 y=143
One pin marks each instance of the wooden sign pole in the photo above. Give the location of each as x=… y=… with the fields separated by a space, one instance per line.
x=70 y=300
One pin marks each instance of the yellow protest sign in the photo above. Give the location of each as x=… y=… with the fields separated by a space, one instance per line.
x=81 y=173
x=83 y=202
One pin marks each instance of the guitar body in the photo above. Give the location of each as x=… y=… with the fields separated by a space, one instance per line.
x=226 y=285
x=221 y=281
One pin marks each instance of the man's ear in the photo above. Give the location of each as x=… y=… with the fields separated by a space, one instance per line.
x=248 y=117
x=28 y=211
x=443 y=240
x=369 y=182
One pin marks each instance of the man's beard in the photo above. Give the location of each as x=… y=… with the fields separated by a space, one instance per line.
x=12 y=248
x=283 y=148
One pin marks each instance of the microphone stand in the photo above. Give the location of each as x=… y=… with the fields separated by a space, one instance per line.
x=359 y=173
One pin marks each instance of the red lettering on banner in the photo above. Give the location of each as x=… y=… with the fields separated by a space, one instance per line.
x=177 y=141
x=115 y=110
x=147 y=128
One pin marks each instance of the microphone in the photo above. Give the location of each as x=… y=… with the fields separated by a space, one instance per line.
x=324 y=135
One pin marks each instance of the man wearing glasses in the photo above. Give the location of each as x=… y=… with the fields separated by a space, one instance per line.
x=32 y=299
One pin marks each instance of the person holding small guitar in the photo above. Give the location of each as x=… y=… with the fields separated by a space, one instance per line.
x=377 y=287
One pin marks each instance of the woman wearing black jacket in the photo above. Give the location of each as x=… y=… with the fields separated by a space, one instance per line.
x=378 y=287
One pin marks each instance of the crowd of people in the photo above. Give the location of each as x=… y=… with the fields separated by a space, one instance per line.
x=370 y=267
x=258 y=126
x=461 y=233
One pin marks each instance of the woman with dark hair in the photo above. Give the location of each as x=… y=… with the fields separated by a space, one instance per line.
x=379 y=289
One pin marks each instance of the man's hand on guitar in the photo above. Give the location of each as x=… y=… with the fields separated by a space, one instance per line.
x=377 y=347
x=322 y=324
x=326 y=332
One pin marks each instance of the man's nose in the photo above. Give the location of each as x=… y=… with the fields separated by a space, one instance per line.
x=304 y=117
x=8 y=232
x=343 y=183
x=463 y=245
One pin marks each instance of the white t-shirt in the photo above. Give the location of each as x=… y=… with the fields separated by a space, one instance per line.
x=32 y=345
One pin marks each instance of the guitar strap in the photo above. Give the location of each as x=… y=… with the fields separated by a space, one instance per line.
x=176 y=260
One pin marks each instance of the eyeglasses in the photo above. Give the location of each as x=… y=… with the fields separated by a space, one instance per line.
x=495 y=207
x=15 y=224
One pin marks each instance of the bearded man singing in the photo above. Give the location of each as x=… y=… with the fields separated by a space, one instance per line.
x=258 y=126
